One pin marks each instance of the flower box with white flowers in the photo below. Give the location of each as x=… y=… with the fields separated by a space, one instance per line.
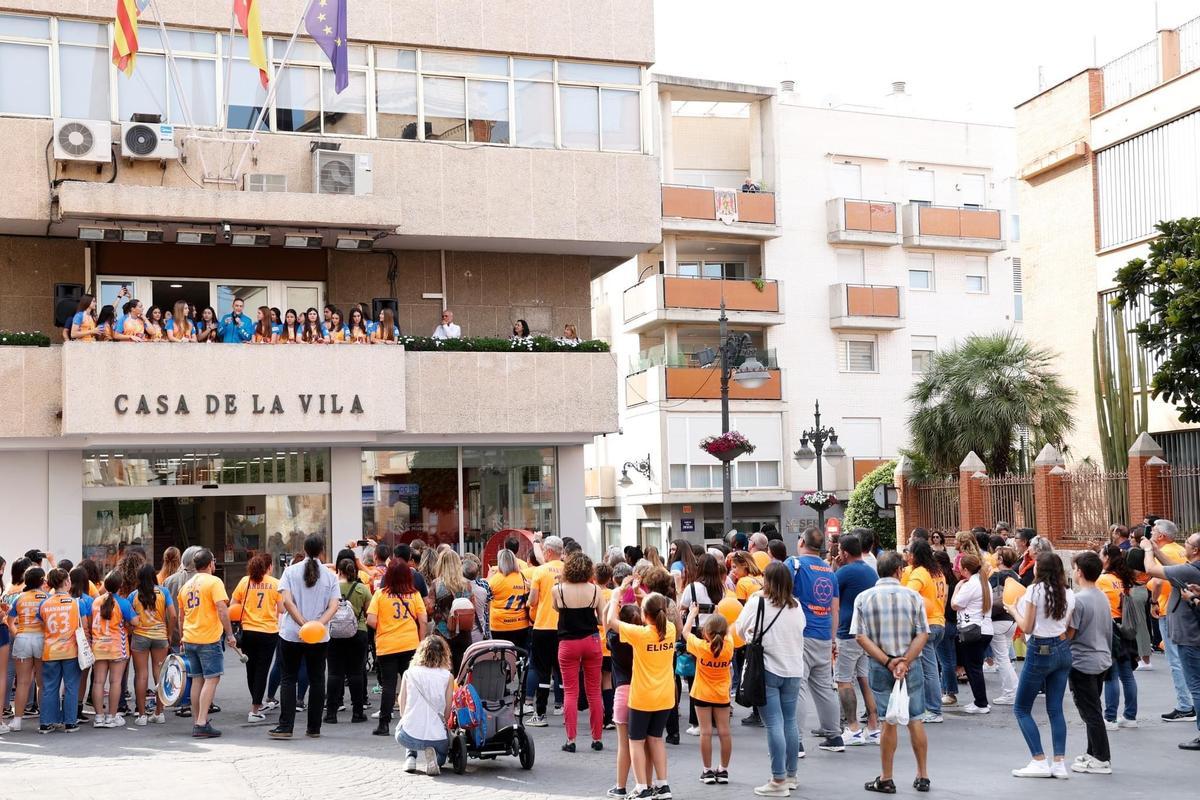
x=818 y=500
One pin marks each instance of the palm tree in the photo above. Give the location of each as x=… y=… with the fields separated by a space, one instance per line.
x=977 y=396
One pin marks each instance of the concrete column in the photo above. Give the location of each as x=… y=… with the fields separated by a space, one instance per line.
x=756 y=148
x=972 y=496
x=1050 y=494
x=24 y=476
x=572 y=510
x=666 y=122
x=906 y=516
x=64 y=495
x=670 y=254
x=345 y=495
x=1168 y=54
x=1149 y=490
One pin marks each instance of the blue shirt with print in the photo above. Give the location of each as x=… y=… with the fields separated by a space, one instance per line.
x=816 y=588
x=852 y=580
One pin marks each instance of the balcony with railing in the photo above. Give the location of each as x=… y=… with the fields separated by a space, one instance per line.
x=858 y=307
x=707 y=209
x=656 y=375
x=599 y=486
x=663 y=299
x=954 y=227
x=862 y=221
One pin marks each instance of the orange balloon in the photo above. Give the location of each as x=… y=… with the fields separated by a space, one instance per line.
x=312 y=632
x=1013 y=591
x=235 y=612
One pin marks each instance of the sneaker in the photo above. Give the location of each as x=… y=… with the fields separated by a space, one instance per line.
x=1005 y=700
x=1034 y=769
x=4 y=728
x=71 y=727
x=98 y=721
x=1180 y=716
x=205 y=731
x=693 y=730
x=672 y=738
x=377 y=714
x=558 y=712
x=530 y=708
x=773 y=789
x=854 y=738
x=722 y=776
x=536 y=721
x=45 y=728
x=873 y=736
x=801 y=754
x=410 y=764
x=1088 y=764
x=617 y=793
x=974 y=709
x=279 y=733
x=1194 y=744
x=791 y=782
x=270 y=705
x=116 y=721
x=183 y=711
x=929 y=718
x=662 y=792
x=14 y=725
x=1144 y=666
x=31 y=711
x=753 y=719
x=299 y=707
x=610 y=726
x=833 y=744
x=949 y=700
x=431 y=765
x=709 y=777
x=141 y=720
x=158 y=719
x=1110 y=725
x=644 y=794
x=256 y=716
x=1058 y=769
x=1127 y=723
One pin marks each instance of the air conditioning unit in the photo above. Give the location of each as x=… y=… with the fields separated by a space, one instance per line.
x=335 y=172
x=148 y=141
x=264 y=182
x=84 y=140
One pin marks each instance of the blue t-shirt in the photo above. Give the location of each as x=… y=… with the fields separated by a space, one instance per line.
x=852 y=580
x=816 y=588
x=235 y=332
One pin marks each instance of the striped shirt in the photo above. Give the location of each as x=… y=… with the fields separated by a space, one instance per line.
x=890 y=615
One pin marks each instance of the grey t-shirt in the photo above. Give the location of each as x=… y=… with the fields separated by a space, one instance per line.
x=312 y=601
x=1091 y=649
x=1183 y=623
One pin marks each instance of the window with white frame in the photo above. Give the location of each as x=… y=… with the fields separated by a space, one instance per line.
x=83 y=52
x=305 y=99
x=244 y=91
x=857 y=354
x=920 y=271
x=25 y=52
x=977 y=274
x=698 y=471
x=923 y=348
x=151 y=90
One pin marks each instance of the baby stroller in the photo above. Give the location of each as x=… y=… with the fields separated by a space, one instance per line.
x=492 y=679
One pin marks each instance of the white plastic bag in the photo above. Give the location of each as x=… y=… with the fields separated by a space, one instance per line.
x=83 y=650
x=897 y=707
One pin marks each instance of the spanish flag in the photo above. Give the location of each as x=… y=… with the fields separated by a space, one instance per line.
x=246 y=12
x=125 y=33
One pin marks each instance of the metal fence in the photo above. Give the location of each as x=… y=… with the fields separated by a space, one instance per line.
x=1131 y=74
x=937 y=505
x=1184 y=491
x=1189 y=45
x=1093 y=501
x=1010 y=499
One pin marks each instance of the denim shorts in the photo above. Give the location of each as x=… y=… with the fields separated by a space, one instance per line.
x=204 y=660
x=142 y=644
x=882 y=681
x=28 y=645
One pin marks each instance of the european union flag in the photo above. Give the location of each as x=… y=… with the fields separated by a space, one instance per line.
x=326 y=24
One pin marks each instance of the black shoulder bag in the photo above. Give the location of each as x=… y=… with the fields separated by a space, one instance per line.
x=752 y=689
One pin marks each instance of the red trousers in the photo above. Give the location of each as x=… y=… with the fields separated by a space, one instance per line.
x=574 y=654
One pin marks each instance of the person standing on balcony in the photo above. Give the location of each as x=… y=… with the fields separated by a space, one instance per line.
x=235 y=327
x=447 y=329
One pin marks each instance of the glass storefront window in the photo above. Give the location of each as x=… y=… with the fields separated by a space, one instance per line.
x=411 y=494
x=173 y=468
x=507 y=487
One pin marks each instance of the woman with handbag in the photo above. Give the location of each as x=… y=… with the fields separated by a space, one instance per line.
x=1044 y=613
x=256 y=597
x=578 y=602
x=1116 y=582
x=772 y=623
x=972 y=599
x=449 y=585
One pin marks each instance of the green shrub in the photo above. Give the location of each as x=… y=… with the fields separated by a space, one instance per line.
x=23 y=339
x=861 y=511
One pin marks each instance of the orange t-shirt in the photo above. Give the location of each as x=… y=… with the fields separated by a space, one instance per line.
x=396 y=626
x=652 y=687
x=1175 y=554
x=201 y=621
x=60 y=618
x=932 y=591
x=761 y=558
x=545 y=616
x=1113 y=589
x=260 y=603
x=25 y=609
x=510 y=602
x=748 y=586
x=714 y=674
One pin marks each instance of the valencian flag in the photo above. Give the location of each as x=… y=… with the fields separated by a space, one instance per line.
x=326 y=24
x=246 y=12
x=125 y=33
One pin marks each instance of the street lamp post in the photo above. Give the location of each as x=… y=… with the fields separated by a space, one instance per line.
x=816 y=443
x=750 y=374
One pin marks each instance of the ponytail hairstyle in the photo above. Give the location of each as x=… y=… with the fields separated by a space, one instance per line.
x=348 y=569
x=314 y=545
x=79 y=582
x=33 y=578
x=258 y=567
x=55 y=578
x=1116 y=564
x=654 y=609
x=146 y=580
x=112 y=585
x=715 y=629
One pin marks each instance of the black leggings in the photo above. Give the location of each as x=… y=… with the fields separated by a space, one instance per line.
x=391 y=667
x=973 y=654
x=259 y=648
x=347 y=657
x=545 y=660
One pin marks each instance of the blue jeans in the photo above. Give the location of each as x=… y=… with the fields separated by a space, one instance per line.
x=56 y=709
x=779 y=717
x=1189 y=659
x=948 y=659
x=1051 y=670
x=414 y=745
x=1183 y=697
x=929 y=670
x=1120 y=681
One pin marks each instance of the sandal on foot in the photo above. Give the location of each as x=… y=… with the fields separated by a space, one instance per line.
x=921 y=784
x=881 y=786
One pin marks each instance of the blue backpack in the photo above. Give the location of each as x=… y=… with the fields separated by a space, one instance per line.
x=468 y=714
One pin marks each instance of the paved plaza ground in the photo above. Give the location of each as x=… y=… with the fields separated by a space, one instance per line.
x=970 y=758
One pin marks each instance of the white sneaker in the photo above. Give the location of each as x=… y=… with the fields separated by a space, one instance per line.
x=1005 y=700
x=974 y=709
x=14 y=725
x=791 y=782
x=530 y=708
x=536 y=721
x=773 y=789
x=376 y=714
x=158 y=719
x=1058 y=769
x=270 y=705
x=854 y=738
x=693 y=730
x=4 y=728
x=929 y=718
x=1127 y=723
x=1034 y=769
x=558 y=712
x=100 y=721
x=256 y=716
x=141 y=720
x=410 y=764
x=1092 y=766
x=431 y=765
x=116 y=721
x=1110 y=726
x=1144 y=665
x=873 y=736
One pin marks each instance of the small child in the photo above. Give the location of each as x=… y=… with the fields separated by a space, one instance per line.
x=426 y=696
x=622 y=672
x=710 y=689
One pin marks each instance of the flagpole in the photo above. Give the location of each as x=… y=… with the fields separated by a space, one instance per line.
x=228 y=69
x=173 y=68
x=271 y=91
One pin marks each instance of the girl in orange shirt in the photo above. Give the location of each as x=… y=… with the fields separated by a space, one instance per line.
x=109 y=623
x=154 y=325
x=710 y=689
x=256 y=604
x=747 y=577
x=152 y=632
x=356 y=327
x=264 y=332
x=29 y=639
x=397 y=613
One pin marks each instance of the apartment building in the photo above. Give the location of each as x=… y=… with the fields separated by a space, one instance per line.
x=878 y=238
x=1102 y=157
x=487 y=160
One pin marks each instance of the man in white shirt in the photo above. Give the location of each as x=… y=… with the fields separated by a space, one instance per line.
x=447 y=329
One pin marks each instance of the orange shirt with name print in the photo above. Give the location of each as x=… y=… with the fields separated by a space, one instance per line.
x=25 y=611
x=714 y=674
x=510 y=602
x=260 y=603
x=396 y=626
x=110 y=637
x=544 y=577
x=60 y=619
x=652 y=687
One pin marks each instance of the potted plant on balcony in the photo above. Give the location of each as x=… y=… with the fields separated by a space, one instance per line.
x=726 y=446
x=819 y=500
x=23 y=339
x=759 y=284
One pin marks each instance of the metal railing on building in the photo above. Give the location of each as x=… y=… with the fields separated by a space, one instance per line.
x=1189 y=45
x=1133 y=73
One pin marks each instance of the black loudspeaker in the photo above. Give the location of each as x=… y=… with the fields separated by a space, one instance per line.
x=380 y=303
x=66 y=299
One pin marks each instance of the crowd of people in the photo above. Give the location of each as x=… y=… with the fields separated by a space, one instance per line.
x=128 y=320
x=624 y=637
